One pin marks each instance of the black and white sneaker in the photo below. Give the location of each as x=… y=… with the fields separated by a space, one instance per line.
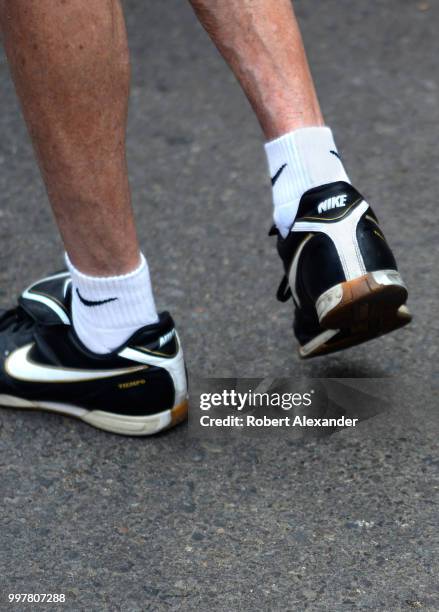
x=139 y=389
x=340 y=272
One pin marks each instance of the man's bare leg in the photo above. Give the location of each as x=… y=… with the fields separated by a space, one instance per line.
x=261 y=42
x=70 y=64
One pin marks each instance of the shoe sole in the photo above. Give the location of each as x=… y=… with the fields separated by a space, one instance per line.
x=107 y=421
x=370 y=301
x=377 y=324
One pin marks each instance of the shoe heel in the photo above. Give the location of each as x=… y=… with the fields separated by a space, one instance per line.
x=179 y=414
x=371 y=300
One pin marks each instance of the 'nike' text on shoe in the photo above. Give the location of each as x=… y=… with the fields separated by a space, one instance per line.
x=340 y=272
x=138 y=389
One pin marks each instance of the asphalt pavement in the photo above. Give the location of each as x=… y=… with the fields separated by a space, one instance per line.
x=347 y=521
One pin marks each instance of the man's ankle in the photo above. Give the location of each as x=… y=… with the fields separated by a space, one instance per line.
x=107 y=310
x=299 y=161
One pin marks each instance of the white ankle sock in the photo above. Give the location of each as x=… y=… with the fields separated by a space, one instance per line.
x=299 y=161
x=106 y=311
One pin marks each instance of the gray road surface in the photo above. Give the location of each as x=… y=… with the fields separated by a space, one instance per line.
x=345 y=522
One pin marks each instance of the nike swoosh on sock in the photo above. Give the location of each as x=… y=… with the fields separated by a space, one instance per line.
x=91 y=303
x=336 y=154
x=277 y=175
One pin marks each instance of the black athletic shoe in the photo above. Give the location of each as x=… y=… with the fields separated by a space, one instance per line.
x=340 y=272
x=139 y=389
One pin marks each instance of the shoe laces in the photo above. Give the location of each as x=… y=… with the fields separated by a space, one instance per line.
x=15 y=319
x=283 y=293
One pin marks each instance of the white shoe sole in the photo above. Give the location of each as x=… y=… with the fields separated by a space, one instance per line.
x=107 y=421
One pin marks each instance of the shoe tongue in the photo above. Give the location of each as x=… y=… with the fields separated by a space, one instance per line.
x=322 y=202
x=48 y=300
